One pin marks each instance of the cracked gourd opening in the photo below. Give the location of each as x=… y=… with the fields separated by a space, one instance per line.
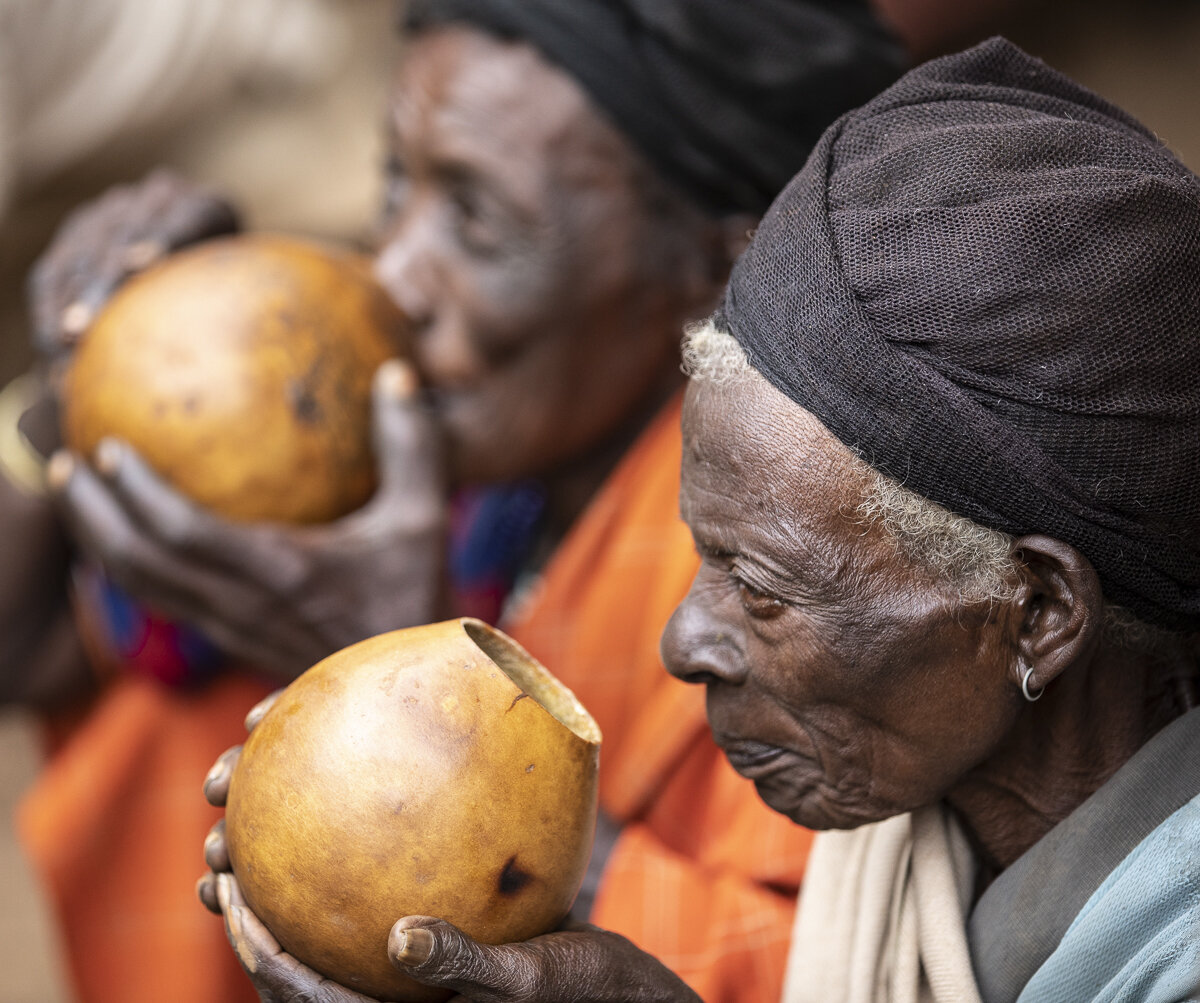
x=533 y=678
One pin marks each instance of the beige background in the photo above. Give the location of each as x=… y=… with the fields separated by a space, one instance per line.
x=309 y=162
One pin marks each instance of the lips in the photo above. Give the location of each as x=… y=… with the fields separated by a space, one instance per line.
x=748 y=757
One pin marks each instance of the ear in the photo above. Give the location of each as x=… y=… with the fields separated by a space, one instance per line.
x=1062 y=609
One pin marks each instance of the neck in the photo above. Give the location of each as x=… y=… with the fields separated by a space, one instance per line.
x=1066 y=746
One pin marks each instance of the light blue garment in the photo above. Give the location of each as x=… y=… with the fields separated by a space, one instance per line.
x=1137 y=940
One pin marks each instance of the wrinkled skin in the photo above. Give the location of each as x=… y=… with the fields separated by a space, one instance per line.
x=849 y=685
x=576 y=964
x=547 y=272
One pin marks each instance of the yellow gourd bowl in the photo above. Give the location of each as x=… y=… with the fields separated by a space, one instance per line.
x=438 y=770
x=241 y=370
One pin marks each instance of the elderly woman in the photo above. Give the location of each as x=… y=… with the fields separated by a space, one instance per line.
x=567 y=185
x=941 y=463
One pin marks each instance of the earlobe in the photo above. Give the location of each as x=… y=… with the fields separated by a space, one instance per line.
x=1062 y=607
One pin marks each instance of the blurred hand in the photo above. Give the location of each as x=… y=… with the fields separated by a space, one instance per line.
x=282 y=597
x=103 y=242
x=41 y=657
x=581 y=964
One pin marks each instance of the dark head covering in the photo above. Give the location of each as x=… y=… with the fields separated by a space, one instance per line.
x=725 y=97
x=987 y=281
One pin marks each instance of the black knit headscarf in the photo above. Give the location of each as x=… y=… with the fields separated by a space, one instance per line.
x=987 y=281
x=725 y=97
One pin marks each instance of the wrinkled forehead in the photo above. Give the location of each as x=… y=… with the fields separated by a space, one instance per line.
x=461 y=93
x=744 y=439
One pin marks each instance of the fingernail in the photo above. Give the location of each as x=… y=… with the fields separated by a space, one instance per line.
x=76 y=318
x=397 y=379
x=223 y=890
x=213 y=773
x=108 y=457
x=413 y=946
x=59 y=470
x=210 y=841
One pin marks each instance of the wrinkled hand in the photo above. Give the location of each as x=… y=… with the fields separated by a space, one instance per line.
x=275 y=974
x=581 y=964
x=216 y=792
x=280 y=596
x=105 y=241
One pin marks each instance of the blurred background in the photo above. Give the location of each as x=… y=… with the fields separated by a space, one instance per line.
x=279 y=103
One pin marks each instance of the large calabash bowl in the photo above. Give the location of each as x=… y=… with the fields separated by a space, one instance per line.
x=438 y=770
x=241 y=369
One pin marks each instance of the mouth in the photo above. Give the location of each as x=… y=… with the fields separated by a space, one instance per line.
x=749 y=757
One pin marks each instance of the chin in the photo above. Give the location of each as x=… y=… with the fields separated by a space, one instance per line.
x=811 y=808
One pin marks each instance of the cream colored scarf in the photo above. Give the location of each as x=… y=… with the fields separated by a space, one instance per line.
x=882 y=914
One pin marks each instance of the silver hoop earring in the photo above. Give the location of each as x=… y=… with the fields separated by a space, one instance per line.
x=1031 y=697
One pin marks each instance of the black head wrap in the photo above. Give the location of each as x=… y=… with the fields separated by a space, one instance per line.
x=987 y=281
x=725 y=97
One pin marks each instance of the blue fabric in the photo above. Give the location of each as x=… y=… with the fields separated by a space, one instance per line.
x=1137 y=940
x=493 y=532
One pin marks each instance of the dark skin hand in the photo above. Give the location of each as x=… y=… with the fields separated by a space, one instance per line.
x=578 y=963
x=282 y=596
x=104 y=242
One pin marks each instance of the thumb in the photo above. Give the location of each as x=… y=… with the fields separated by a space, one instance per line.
x=436 y=953
x=405 y=438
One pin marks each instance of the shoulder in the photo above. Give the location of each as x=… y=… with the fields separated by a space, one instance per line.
x=1138 y=937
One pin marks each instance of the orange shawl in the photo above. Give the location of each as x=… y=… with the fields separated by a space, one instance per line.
x=115 y=824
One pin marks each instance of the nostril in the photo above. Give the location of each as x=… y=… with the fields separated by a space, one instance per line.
x=701 y=677
x=696 y=650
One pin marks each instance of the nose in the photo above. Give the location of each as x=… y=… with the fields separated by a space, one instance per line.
x=697 y=646
x=406 y=267
x=415 y=269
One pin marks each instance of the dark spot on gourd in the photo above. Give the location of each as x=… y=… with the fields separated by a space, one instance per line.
x=304 y=403
x=512 y=878
x=529 y=768
x=519 y=696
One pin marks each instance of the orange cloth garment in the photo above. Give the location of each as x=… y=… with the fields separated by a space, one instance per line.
x=115 y=825
x=703 y=876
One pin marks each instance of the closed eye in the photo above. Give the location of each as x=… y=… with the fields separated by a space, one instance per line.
x=759 y=604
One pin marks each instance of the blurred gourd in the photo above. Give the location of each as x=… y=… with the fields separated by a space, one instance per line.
x=241 y=369
x=437 y=770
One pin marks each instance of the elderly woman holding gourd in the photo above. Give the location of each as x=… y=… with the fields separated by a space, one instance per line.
x=942 y=465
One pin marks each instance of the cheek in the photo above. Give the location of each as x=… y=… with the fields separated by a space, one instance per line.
x=876 y=729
